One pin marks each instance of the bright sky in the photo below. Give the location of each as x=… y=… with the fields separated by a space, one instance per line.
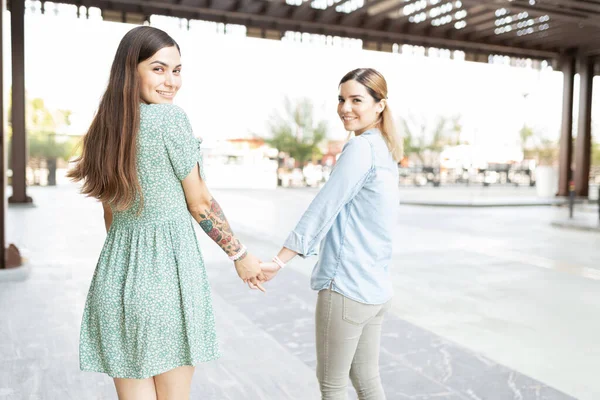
x=231 y=85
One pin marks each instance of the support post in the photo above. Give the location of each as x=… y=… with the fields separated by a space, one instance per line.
x=19 y=136
x=583 y=145
x=566 y=133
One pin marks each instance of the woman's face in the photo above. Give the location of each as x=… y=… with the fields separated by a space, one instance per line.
x=160 y=77
x=357 y=108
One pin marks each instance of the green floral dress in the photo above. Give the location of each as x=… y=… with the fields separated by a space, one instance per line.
x=149 y=308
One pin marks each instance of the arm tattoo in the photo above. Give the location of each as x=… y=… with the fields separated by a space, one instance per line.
x=216 y=226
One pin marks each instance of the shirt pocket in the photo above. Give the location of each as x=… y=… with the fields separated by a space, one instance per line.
x=358 y=313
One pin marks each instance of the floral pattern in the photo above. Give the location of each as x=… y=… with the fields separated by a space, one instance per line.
x=149 y=307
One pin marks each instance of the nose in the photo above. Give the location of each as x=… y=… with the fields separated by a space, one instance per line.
x=168 y=79
x=346 y=106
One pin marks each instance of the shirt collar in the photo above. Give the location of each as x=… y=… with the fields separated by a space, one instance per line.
x=372 y=131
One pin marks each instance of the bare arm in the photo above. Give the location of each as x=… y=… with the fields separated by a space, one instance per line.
x=208 y=213
x=211 y=218
x=286 y=255
x=271 y=268
x=108 y=216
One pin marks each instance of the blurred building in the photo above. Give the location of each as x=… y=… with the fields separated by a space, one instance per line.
x=240 y=163
x=332 y=148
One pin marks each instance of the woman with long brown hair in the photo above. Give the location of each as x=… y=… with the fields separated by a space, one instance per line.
x=352 y=218
x=148 y=318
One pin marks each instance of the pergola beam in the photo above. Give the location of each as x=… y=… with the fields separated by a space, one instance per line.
x=553 y=12
x=585 y=5
x=556 y=28
x=381 y=21
x=282 y=23
x=363 y=11
x=302 y=10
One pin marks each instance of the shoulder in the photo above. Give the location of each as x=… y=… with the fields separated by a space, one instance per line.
x=358 y=144
x=358 y=153
x=167 y=112
x=377 y=141
x=169 y=119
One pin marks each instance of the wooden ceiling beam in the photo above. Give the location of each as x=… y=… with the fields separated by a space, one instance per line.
x=352 y=17
x=303 y=9
x=282 y=24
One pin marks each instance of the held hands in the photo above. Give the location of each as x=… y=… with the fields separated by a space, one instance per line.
x=249 y=270
x=269 y=269
x=254 y=272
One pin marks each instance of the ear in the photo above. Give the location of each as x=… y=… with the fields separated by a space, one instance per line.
x=381 y=105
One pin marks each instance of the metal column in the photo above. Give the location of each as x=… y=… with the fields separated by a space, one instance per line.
x=583 y=145
x=566 y=135
x=19 y=137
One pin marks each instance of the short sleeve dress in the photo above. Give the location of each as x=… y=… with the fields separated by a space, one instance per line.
x=149 y=307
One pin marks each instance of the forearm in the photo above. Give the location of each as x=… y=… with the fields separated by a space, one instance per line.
x=286 y=255
x=213 y=222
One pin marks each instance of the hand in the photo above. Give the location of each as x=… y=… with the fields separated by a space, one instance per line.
x=269 y=269
x=248 y=269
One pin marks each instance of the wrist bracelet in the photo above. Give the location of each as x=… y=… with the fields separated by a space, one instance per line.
x=278 y=261
x=239 y=254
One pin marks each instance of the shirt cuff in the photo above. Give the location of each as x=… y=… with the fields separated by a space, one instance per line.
x=296 y=242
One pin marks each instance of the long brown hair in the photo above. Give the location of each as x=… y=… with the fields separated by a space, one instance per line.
x=376 y=85
x=107 y=164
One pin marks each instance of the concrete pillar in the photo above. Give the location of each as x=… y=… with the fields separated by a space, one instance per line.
x=566 y=135
x=583 y=145
x=19 y=137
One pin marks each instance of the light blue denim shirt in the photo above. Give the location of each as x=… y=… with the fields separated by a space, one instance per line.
x=352 y=218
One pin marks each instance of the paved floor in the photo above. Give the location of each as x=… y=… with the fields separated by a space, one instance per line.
x=477 y=195
x=490 y=304
x=586 y=217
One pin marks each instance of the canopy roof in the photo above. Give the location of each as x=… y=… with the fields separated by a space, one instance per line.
x=537 y=29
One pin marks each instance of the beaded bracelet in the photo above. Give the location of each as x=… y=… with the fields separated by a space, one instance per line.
x=239 y=254
x=278 y=261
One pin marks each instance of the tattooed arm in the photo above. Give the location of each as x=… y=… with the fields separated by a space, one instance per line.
x=212 y=220
x=207 y=212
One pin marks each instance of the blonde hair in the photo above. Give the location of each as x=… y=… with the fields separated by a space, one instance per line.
x=376 y=85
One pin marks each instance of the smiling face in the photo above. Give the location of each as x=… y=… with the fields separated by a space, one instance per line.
x=160 y=77
x=358 y=110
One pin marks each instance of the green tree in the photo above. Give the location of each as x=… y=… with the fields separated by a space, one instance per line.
x=536 y=146
x=414 y=139
x=423 y=136
x=45 y=144
x=526 y=135
x=296 y=132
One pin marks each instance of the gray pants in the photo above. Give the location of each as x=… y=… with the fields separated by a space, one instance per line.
x=348 y=341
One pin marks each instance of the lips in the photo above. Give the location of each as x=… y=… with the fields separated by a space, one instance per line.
x=166 y=94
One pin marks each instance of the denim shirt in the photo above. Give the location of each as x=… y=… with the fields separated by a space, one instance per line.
x=352 y=218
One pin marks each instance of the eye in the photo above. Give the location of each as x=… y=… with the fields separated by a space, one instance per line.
x=177 y=71
x=158 y=69
x=340 y=100
x=357 y=100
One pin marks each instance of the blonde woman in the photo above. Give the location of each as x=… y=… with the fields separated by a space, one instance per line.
x=352 y=219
